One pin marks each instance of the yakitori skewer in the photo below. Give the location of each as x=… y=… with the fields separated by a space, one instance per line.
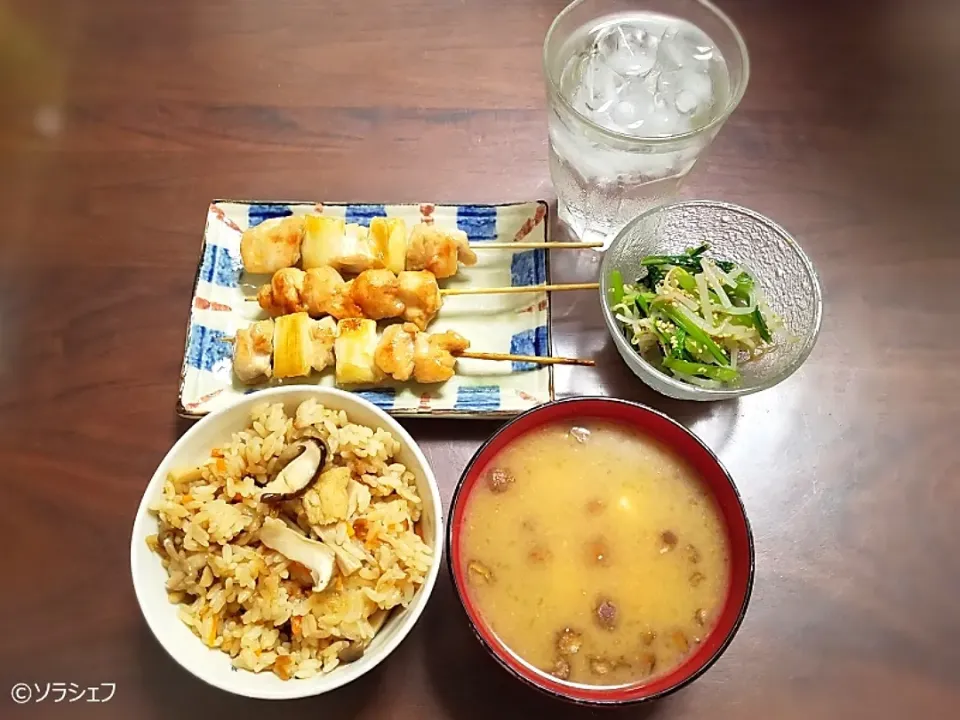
x=412 y=295
x=296 y=345
x=321 y=241
x=316 y=241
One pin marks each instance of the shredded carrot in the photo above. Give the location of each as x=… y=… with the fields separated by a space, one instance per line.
x=300 y=573
x=187 y=498
x=216 y=452
x=295 y=625
x=283 y=666
x=221 y=465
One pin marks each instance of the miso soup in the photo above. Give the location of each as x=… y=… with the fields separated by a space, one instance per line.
x=594 y=553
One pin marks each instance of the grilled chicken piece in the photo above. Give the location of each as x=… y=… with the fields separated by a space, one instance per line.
x=284 y=294
x=389 y=237
x=320 y=286
x=323 y=335
x=434 y=356
x=355 y=348
x=420 y=296
x=438 y=251
x=465 y=253
x=253 y=352
x=342 y=304
x=358 y=251
x=318 y=291
x=272 y=245
x=325 y=293
x=376 y=293
x=395 y=350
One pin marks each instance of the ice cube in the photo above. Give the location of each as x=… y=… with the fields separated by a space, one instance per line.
x=686 y=102
x=704 y=53
x=688 y=90
x=635 y=107
x=629 y=50
x=604 y=119
x=623 y=113
x=601 y=85
x=680 y=49
x=666 y=121
x=701 y=85
x=607 y=42
x=670 y=54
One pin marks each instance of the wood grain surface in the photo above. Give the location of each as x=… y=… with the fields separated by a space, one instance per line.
x=122 y=119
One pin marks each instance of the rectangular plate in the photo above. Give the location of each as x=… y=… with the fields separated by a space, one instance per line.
x=518 y=324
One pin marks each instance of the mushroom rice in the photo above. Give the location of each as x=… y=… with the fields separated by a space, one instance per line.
x=296 y=577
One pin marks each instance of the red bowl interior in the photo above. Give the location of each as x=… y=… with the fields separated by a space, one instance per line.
x=718 y=483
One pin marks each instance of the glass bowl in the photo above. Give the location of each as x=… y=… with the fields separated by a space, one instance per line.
x=782 y=269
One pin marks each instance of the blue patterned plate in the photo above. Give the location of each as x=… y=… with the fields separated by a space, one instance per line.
x=518 y=324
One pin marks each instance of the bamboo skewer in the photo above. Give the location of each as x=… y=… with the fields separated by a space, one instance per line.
x=468 y=354
x=518 y=289
x=533 y=245
x=538 y=359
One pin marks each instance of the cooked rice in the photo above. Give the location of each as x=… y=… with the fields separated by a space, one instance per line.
x=249 y=601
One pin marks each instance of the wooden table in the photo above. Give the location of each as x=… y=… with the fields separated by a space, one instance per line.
x=121 y=120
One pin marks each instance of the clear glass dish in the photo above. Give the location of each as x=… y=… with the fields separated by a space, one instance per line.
x=782 y=269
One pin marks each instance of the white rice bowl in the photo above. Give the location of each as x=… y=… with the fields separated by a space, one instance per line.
x=241 y=657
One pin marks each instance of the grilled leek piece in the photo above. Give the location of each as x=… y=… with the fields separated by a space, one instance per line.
x=389 y=237
x=292 y=346
x=355 y=348
x=321 y=240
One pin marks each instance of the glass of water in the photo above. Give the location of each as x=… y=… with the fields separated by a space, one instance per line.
x=636 y=90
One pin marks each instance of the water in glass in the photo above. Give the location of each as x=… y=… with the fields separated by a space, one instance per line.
x=652 y=79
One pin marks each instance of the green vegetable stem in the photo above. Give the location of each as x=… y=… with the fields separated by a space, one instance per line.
x=722 y=374
x=616 y=286
x=682 y=318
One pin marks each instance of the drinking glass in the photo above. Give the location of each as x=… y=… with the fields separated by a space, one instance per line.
x=605 y=174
